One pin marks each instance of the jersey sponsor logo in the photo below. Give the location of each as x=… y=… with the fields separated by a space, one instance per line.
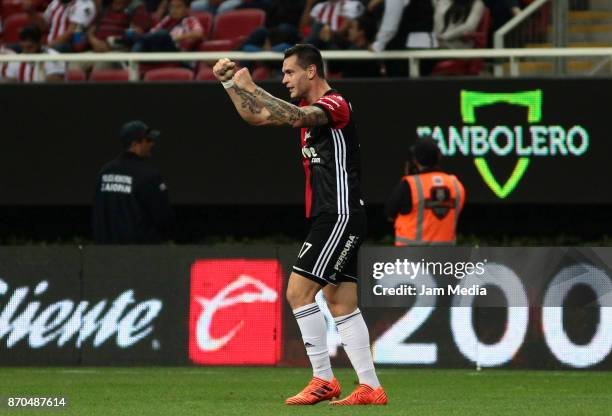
x=234 y=305
x=66 y=321
x=309 y=152
x=351 y=242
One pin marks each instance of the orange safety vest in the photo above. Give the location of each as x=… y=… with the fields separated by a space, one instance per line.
x=437 y=200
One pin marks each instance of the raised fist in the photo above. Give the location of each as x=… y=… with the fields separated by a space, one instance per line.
x=224 y=69
x=243 y=80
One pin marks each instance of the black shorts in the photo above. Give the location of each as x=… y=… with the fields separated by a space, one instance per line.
x=329 y=254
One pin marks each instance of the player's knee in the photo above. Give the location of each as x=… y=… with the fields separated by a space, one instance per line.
x=334 y=308
x=332 y=303
x=340 y=305
x=340 y=309
x=297 y=297
x=300 y=293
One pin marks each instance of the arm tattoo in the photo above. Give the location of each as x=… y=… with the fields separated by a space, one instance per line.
x=281 y=112
x=249 y=103
x=314 y=116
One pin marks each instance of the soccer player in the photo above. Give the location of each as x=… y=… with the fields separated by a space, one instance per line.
x=328 y=257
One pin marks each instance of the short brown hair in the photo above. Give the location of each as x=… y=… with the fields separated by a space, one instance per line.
x=307 y=55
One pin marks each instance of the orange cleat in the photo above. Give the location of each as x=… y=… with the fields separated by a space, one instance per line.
x=316 y=391
x=363 y=395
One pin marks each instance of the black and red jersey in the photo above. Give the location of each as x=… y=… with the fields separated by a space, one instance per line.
x=331 y=159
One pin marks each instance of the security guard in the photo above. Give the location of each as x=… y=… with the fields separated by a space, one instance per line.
x=131 y=203
x=426 y=204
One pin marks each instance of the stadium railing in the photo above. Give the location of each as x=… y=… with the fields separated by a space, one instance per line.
x=532 y=25
x=132 y=60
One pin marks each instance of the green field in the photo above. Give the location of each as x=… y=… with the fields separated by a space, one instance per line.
x=261 y=391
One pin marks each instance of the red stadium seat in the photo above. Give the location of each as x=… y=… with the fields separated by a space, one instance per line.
x=233 y=27
x=169 y=74
x=12 y=26
x=206 y=20
x=10 y=7
x=261 y=73
x=219 y=45
x=237 y=23
x=75 y=75
x=145 y=67
x=468 y=66
x=109 y=75
x=205 y=74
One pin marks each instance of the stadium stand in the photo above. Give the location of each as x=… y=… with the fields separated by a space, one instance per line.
x=75 y=75
x=12 y=25
x=109 y=75
x=206 y=20
x=468 y=66
x=589 y=26
x=261 y=73
x=205 y=73
x=233 y=27
x=10 y=7
x=169 y=74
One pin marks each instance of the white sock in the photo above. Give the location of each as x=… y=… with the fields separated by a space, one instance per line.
x=356 y=341
x=314 y=333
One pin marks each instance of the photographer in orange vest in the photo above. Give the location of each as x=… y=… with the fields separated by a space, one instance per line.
x=426 y=204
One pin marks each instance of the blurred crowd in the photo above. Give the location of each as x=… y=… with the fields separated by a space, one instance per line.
x=99 y=26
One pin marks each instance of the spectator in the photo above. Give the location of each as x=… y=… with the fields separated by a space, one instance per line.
x=281 y=30
x=361 y=33
x=178 y=31
x=284 y=12
x=112 y=22
x=156 y=8
x=222 y=6
x=30 y=43
x=330 y=21
x=453 y=19
x=375 y=9
x=502 y=11
x=275 y=39
x=406 y=24
x=66 y=21
x=206 y=6
x=426 y=204
x=4 y=65
x=131 y=204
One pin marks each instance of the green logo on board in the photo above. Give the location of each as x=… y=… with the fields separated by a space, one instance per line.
x=479 y=141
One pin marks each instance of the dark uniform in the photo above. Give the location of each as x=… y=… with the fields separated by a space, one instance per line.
x=131 y=204
x=331 y=162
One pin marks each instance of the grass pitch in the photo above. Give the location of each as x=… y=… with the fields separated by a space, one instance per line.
x=261 y=391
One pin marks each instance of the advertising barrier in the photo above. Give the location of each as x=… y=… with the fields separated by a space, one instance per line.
x=492 y=307
x=539 y=308
x=253 y=289
x=540 y=141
